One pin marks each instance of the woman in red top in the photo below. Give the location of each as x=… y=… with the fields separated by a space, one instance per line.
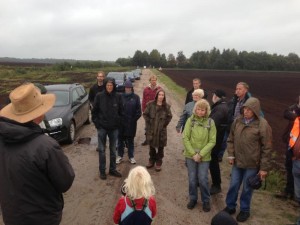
x=138 y=206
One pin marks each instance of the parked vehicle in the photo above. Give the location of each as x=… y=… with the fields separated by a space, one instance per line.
x=130 y=76
x=70 y=111
x=136 y=74
x=120 y=79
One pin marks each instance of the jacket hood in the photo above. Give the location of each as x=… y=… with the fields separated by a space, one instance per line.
x=254 y=105
x=112 y=80
x=14 y=132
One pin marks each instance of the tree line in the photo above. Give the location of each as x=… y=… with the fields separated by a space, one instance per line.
x=228 y=59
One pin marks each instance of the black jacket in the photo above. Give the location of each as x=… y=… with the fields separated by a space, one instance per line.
x=34 y=172
x=132 y=112
x=219 y=113
x=94 y=90
x=108 y=109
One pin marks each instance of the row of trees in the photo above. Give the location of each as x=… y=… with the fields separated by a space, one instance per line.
x=228 y=59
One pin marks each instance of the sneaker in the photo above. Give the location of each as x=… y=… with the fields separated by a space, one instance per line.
x=206 y=207
x=215 y=190
x=132 y=161
x=103 y=176
x=115 y=173
x=118 y=159
x=229 y=211
x=191 y=204
x=150 y=165
x=242 y=216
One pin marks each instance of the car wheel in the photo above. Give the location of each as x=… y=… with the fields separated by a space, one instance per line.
x=71 y=133
x=89 y=118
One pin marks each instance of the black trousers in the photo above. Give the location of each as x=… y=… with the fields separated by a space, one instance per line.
x=214 y=168
x=289 y=188
x=156 y=156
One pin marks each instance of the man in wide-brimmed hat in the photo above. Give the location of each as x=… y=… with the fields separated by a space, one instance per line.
x=34 y=171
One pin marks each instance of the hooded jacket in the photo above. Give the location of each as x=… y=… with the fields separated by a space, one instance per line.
x=34 y=172
x=108 y=109
x=251 y=144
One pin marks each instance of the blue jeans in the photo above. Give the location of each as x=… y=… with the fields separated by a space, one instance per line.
x=296 y=174
x=112 y=136
x=130 y=145
x=201 y=170
x=239 y=176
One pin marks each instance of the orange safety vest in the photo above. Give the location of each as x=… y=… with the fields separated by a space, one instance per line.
x=294 y=134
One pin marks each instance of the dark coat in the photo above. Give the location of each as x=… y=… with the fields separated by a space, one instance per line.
x=34 y=172
x=157 y=119
x=219 y=113
x=290 y=114
x=132 y=112
x=108 y=109
x=94 y=90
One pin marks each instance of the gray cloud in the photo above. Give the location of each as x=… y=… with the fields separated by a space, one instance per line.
x=108 y=29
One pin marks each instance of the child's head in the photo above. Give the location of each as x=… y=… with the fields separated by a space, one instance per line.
x=139 y=183
x=202 y=108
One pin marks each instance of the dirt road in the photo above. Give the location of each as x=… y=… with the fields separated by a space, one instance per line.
x=91 y=201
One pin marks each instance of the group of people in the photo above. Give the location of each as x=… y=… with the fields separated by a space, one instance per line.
x=34 y=171
x=237 y=126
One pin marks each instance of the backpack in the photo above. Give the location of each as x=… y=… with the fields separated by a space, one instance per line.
x=136 y=216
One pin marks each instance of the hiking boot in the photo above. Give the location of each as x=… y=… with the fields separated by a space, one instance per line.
x=229 y=211
x=242 y=216
x=115 y=173
x=215 y=190
x=132 y=161
x=145 y=143
x=150 y=165
x=206 y=207
x=103 y=176
x=118 y=159
x=191 y=204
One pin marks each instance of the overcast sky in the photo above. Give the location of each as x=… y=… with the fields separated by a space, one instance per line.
x=110 y=29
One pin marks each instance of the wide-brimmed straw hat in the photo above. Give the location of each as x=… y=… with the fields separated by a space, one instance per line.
x=27 y=103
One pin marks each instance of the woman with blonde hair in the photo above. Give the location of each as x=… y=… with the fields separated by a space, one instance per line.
x=199 y=137
x=138 y=206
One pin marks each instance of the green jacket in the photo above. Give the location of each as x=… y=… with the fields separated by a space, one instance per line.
x=251 y=144
x=199 y=135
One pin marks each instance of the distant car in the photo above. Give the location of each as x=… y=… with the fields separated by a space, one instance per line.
x=130 y=76
x=70 y=111
x=120 y=79
x=136 y=74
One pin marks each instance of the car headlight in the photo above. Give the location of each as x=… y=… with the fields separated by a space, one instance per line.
x=55 y=122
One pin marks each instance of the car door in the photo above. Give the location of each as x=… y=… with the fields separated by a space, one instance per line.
x=76 y=106
x=84 y=109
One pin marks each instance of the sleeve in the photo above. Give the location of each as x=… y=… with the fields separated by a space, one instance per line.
x=91 y=95
x=187 y=98
x=230 y=140
x=138 y=108
x=152 y=206
x=95 y=111
x=144 y=100
x=187 y=138
x=182 y=119
x=169 y=116
x=60 y=171
x=212 y=135
x=119 y=209
x=146 y=115
x=266 y=146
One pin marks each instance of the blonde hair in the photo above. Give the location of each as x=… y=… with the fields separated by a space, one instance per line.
x=198 y=92
x=202 y=104
x=153 y=76
x=139 y=184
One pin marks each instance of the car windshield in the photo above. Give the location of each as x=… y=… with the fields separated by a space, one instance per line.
x=62 y=97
